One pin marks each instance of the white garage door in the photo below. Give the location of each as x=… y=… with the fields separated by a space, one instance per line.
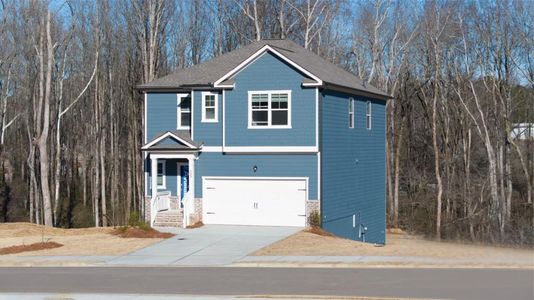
x=254 y=201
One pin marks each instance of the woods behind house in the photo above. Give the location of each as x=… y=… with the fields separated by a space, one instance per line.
x=461 y=73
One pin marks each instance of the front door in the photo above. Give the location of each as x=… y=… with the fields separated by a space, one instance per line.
x=183 y=181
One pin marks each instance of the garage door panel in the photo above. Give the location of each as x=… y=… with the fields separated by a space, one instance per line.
x=268 y=202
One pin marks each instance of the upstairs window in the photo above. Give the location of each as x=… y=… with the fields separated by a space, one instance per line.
x=184 y=111
x=209 y=107
x=351 y=113
x=368 y=115
x=269 y=109
x=161 y=180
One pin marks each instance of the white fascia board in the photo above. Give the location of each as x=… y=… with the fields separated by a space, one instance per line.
x=270 y=149
x=257 y=54
x=162 y=137
x=171 y=156
x=309 y=84
x=260 y=149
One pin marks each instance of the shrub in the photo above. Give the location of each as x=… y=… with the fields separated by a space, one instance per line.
x=134 y=219
x=314 y=219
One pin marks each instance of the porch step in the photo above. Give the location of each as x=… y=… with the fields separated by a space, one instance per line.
x=171 y=218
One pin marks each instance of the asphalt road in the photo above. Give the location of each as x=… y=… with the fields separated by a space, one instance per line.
x=409 y=283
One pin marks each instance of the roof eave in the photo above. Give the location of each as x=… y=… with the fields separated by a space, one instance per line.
x=181 y=88
x=358 y=92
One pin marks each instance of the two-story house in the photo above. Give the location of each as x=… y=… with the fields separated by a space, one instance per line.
x=264 y=135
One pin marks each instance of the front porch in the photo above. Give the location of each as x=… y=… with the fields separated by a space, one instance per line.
x=169 y=169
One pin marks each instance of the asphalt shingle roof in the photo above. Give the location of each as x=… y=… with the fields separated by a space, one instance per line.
x=183 y=134
x=205 y=74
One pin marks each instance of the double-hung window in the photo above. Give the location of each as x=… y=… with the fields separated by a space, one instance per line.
x=209 y=107
x=184 y=111
x=368 y=115
x=351 y=113
x=161 y=180
x=269 y=109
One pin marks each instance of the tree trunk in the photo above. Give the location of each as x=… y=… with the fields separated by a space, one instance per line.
x=43 y=139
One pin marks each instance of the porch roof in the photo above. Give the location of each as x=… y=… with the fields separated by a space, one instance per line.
x=172 y=140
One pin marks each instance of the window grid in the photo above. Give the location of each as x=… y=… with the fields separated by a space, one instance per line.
x=161 y=180
x=209 y=107
x=270 y=109
x=184 y=112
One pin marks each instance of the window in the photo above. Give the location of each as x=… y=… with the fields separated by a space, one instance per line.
x=368 y=115
x=351 y=113
x=184 y=111
x=209 y=107
x=161 y=175
x=270 y=109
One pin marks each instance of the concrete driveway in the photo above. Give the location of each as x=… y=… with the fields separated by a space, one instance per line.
x=210 y=245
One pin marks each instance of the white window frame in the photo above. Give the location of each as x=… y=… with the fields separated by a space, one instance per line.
x=204 y=119
x=351 y=113
x=163 y=184
x=269 y=110
x=368 y=115
x=179 y=98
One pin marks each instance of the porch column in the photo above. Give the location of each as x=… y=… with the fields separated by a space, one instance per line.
x=154 y=174
x=191 y=200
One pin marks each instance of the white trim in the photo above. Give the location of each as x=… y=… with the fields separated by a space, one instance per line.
x=145 y=155
x=368 y=114
x=319 y=179
x=352 y=113
x=229 y=86
x=260 y=52
x=179 y=126
x=269 y=109
x=311 y=84
x=223 y=118
x=317 y=117
x=163 y=184
x=216 y=107
x=172 y=156
x=192 y=121
x=163 y=136
x=212 y=149
x=270 y=149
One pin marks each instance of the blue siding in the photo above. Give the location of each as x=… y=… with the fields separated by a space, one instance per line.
x=353 y=167
x=270 y=73
x=161 y=113
x=209 y=133
x=218 y=164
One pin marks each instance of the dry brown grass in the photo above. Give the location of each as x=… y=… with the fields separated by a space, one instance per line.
x=141 y=233
x=318 y=231
x=399 y=244
x=28 y=248
x=86 y=241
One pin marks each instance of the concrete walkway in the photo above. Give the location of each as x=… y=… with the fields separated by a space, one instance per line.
x=210 y=245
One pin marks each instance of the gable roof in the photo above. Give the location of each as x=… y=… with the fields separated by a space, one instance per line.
x=172 y=140
x=208 y=73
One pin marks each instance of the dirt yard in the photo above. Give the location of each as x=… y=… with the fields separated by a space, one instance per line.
x=310 y=244
x=86 y=241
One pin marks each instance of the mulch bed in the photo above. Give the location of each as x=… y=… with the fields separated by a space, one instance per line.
x=142 y=233
x=196 y=225
x=30 y=247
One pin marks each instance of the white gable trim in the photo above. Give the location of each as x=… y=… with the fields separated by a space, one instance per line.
x=256 y=55
x=166 y=135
